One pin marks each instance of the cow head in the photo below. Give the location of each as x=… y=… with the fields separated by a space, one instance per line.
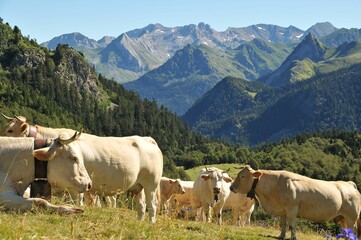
x=244 y=180
x=177 y=186
x=16 y=127
x=215 y=179
x=66 y=165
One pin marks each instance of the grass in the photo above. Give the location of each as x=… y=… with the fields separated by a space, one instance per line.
x=122 y=223
x=193 y=172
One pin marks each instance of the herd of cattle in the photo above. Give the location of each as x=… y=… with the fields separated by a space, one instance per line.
x=90 y=166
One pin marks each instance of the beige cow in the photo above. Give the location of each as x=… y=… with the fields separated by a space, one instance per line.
x=169 y=187
x=17 y=171
x=290 y=195
x=183 y=202
x=115 y=164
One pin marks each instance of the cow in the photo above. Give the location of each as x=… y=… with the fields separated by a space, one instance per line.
x=167 y=188
x=183 y=202
x=241 y=206
x=17 y=171
x=290 y=195
x=211 y=189
x=115 y=164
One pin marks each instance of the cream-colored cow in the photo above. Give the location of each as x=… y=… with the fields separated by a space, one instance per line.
x=115 y=164
x=211 y=190
x=290 y=195
x=17 y=171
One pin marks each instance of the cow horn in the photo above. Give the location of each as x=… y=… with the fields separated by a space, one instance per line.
x=8 y=118
x=209 y=170
x=227 y=170
x=20 y=118
x=72 y=139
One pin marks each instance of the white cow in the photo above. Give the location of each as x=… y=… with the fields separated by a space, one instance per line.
x=115 y=164
x=242 y=207
x=211 y=189
x=17 y=170
x=167 y=188
x=290 y=195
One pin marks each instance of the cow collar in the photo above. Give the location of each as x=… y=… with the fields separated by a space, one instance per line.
x=33 y=131
x=252 y=193
x=40 y=166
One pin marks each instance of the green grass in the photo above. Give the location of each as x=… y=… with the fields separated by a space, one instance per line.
x=193 y=172
x=122 y=223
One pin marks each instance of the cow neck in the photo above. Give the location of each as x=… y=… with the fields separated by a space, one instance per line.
x=41 y=167
x=252 y=192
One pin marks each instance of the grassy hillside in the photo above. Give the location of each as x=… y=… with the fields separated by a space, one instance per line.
x=121 y=223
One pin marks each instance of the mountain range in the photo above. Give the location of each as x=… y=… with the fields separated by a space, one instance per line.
x=263 y=95
x=146 y=60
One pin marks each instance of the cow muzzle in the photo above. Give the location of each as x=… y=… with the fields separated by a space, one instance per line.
x=216 y=190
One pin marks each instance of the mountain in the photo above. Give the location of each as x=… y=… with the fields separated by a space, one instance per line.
x=311 y=58
x=194 y=70
x=341 y=36
x=329 y=101
x=321 y=29
x=73 y=40
x=310 y=48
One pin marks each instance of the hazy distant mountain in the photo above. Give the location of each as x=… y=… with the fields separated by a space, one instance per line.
x=153 y=45
x=341 y=36
x=73 y=40
x=321 y=29
x=242 y=112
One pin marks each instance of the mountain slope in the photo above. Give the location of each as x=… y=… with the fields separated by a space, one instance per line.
x=311 y=58
x=330 y=101
x=341 y=36
x=192 y=71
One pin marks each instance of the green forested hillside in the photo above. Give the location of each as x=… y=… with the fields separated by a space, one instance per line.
x=328 y=155
x=329 y=101
x=60 y=89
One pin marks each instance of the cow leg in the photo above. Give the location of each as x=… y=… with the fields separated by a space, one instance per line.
x=237 y=216
x=152 y=203
x=218 y=213
x=291 y=219
x=140 y=205
x=206 y=213
x=283 y=225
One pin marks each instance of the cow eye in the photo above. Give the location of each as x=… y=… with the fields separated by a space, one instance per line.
x=10 y=131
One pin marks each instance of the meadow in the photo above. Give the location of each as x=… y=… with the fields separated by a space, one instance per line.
x=122 y=223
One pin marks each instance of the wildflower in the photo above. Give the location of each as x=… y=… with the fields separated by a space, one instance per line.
x=347 y=234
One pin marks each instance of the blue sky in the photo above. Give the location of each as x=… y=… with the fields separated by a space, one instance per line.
x=44 y=19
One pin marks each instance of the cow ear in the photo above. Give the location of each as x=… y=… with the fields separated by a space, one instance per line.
x=228 y=179
x=257 y=174
x=171 y=181
x=24 y=127
x=43 y=154
x=205 y=177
